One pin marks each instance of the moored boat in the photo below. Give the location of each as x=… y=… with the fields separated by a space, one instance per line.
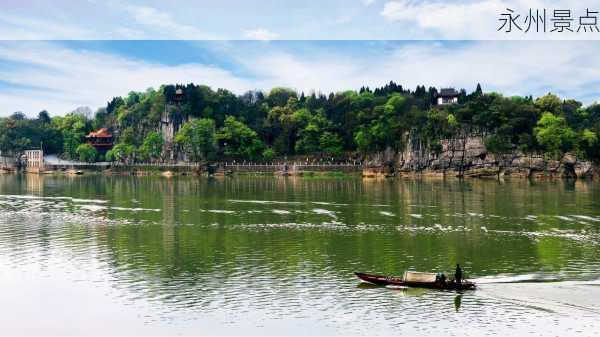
x=416 y=280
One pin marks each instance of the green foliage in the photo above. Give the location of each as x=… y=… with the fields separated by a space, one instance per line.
x=280 y=96
x=436 y=147
x=498 y=144
x=549 y=103
x=73 y=128
x=121 y=152
x=238 y=140
x=588 y=146
x=197 y=139
x=555 y=136
x=87 y=153
x=330 y=143
x=452 y=122
x=268 y=154
x=283 y=122
x=152 y=147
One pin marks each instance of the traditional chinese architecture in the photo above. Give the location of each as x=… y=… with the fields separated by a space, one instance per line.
x=447 y=96
x=101 y=140
x=34 y=161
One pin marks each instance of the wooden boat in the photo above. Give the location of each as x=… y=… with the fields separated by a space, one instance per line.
x=416 y=280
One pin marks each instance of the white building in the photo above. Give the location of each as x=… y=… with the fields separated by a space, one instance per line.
x=34 y=160
x=447 y=96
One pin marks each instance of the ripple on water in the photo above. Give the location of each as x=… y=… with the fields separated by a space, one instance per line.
x=232 y=274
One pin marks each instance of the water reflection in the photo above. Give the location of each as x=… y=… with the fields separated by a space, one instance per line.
x=284 y=249
x=457 y=301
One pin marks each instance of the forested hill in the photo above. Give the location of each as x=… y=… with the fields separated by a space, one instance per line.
x=260 y=126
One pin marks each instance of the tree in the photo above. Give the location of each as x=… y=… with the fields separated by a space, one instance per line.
x=197 y=139
x=121 y=152
x=280 y=123
x=238 y=140
x=72 y=127
x=497 y=144
x=588 y=144
x=152 y=146
x=331 y=143
x=44 y=117
x=554 y=135
x=280 y=96
x=268 y=154
x=549 y=103
x=14 y=136
x=87 y=153
x=478 y=92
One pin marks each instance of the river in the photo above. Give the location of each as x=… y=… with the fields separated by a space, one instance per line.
x=107 y=255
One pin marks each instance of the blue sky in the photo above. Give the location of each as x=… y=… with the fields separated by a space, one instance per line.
x=62 y=75
x=274 y=19
x=62 y=54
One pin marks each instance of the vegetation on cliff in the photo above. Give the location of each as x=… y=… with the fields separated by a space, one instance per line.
x=259 y=126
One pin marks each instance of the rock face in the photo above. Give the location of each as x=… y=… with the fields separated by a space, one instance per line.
x=466 y=155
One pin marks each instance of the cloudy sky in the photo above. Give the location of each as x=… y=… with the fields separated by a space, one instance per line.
x=62 y=54
x=278 y=19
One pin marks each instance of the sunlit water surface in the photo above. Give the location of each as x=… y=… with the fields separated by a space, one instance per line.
x=272 y=256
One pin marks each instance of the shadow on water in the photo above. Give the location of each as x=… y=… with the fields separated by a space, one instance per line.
x=457 y=301
x=404 y=291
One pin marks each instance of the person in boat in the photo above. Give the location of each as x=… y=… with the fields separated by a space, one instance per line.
x=440 y=278
x=458 y=274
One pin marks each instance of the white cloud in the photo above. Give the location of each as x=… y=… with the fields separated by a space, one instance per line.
x=510 y=67
x=23 y=28
x=368 y=2
x=128 y=33
x=60 y=79
x=447 y=18
x=435 y=19
x=260 y=34
x=50 y=76
x=157 y=20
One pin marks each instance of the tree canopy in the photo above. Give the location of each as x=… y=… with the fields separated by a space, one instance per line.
x=283 y=122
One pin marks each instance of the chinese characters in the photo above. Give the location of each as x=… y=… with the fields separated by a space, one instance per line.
x=545 y=21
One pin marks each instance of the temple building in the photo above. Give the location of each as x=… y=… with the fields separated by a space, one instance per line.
x=101 y=140
x=447 y=96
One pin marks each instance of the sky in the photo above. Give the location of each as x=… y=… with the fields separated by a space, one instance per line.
x=277 y=19
x=58 y=55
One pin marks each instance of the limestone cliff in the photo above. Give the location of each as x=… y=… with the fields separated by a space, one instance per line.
x=466 y=155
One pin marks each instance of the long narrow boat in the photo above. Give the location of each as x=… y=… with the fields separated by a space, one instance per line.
x=416 y=280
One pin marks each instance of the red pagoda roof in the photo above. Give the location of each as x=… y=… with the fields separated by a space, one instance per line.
x=102 y=133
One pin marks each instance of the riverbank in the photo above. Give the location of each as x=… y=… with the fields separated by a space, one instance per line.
x=467 y=156
x=464 y=156
x=369 y=173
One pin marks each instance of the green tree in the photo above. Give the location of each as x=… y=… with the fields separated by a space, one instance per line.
x=549 y=103
x=268 y=154
x=497 y=144
x=73 y=128
x=87 y=153
x=331 y=143
x=121 y=152
x=280 y=96
x=152 y=146
x=14 y=137
x=238 y=140
x=197 y=139
x=555 y=136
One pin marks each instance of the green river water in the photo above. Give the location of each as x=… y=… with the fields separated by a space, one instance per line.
x=275 y=256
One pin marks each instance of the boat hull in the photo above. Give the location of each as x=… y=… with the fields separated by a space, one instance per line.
x=398 y=281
